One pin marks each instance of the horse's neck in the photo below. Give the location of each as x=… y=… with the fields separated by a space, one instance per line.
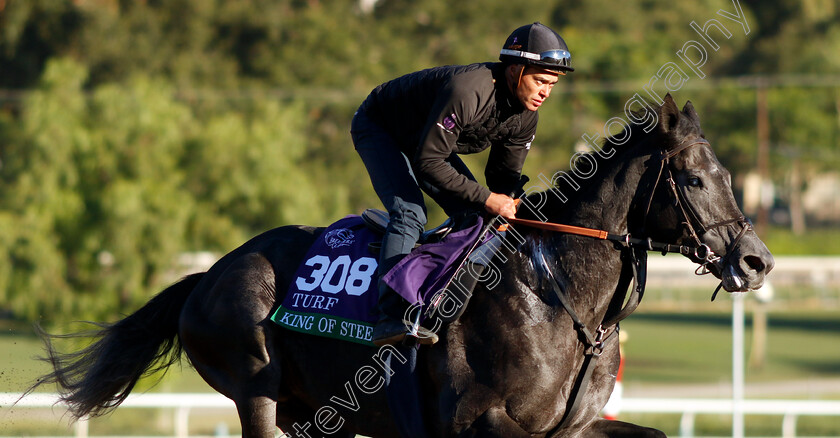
x=604 y=203
x=590 y=269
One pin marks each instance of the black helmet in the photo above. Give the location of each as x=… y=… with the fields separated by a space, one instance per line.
x=536 y=44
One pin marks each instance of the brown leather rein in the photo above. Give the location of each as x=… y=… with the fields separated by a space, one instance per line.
x=690 y=219
x=702 y=254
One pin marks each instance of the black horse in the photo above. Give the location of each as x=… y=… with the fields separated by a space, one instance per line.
x=513 y=363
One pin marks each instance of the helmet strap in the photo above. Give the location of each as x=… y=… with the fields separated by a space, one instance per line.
x=512 y=78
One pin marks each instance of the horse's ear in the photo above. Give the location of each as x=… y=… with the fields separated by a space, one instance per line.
x=669 y=114
x=689 y=111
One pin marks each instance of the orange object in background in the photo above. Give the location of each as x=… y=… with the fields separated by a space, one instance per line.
x=613 y=406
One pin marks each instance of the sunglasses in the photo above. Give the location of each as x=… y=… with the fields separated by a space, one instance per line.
x=561 y=58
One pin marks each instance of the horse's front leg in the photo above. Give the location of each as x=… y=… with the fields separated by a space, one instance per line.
x=618 y=429
x=257 y=416
x=494 y=423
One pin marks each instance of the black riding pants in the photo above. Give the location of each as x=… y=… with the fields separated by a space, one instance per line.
x=399 y=190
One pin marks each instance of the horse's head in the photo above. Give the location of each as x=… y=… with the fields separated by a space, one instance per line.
x=692 y=203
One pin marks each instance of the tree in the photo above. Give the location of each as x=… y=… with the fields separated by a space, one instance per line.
x=104 y=189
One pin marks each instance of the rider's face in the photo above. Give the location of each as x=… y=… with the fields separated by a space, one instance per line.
x=535 y=87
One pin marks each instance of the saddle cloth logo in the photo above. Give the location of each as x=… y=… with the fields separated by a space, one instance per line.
x=338 y=238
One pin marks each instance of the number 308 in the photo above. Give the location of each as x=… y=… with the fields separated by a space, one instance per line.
x=333 y=276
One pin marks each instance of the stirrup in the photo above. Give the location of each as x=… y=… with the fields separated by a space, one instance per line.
x=422 y=336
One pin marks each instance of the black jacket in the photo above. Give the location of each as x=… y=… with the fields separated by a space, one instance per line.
x=434 y=113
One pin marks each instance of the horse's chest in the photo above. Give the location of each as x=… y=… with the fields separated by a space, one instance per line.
x=529 y=379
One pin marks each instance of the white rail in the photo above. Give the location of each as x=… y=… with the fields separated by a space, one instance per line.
x=791 y=410
x=816 y=271
x=181 y=403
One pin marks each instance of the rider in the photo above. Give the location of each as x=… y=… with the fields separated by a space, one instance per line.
x=409 y=131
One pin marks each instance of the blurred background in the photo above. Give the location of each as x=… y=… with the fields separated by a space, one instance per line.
x=140 y=140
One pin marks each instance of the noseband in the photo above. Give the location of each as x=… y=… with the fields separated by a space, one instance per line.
x=690 y=219
x=702 y=254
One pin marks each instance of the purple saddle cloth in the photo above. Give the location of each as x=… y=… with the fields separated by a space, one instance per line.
x=334 y=292
x=421 y=274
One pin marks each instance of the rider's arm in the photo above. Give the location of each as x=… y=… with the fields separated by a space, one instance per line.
x=455 y=107
x=504 y=165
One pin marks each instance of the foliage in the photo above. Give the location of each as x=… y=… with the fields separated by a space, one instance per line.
x=104 y=189
x=817 y=241
x=131 y=131
x=691 y=346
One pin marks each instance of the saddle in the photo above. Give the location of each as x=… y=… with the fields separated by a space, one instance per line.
x=454 y=288
x=377 y=220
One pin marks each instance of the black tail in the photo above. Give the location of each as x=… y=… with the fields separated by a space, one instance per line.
x=97 y=379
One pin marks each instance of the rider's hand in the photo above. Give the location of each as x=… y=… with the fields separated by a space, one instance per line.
x=501 y=205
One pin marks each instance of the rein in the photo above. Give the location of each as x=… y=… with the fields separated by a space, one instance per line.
x=637 y=249
x=689 y=214
x=701 y=252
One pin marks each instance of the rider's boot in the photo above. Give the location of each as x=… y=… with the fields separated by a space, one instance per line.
x=392 y=328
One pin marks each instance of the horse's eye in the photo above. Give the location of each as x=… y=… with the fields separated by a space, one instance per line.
x=694 y=181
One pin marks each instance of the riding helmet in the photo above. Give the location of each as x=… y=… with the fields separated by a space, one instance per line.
x=536 y=44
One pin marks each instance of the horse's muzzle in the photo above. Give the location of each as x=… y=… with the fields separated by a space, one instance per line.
x=746 y=266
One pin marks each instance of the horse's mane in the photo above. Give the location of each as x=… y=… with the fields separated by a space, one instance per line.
x=569 y=183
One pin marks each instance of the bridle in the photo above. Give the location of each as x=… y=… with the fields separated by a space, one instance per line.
x=701 y=254
x=690 y=218
x=637 y=248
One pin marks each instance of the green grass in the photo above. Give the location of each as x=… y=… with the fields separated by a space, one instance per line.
x=18 y=370
x=691 y=347
x=754 y=425
x=663 y=348
x=676 y=348
x=816 y=241
x=19 y=366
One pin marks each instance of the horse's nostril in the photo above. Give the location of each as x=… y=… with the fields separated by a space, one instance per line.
x=755 y=263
